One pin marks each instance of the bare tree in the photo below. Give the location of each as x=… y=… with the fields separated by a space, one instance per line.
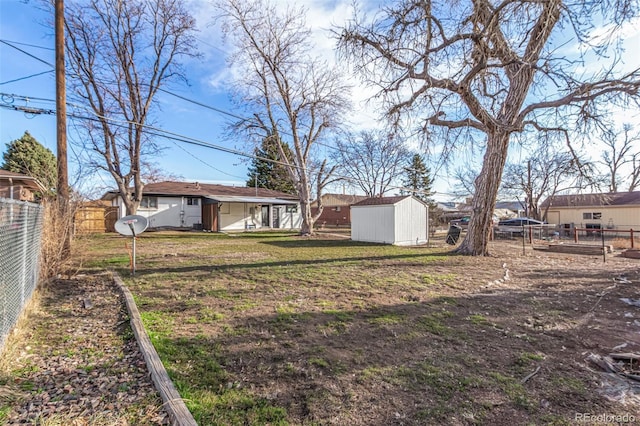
x=372 y=160
x=543 y=174
x=619 y=152
x=120 y=54
x=634 y=179
x=294 y=97
x=465 y=181
x=154 y=173
x=493 y=68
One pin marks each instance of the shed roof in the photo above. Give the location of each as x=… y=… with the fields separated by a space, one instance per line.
x=594 y=200
x=381 y=201
x=196 y=189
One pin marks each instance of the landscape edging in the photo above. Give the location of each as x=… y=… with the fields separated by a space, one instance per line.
x=178 y=412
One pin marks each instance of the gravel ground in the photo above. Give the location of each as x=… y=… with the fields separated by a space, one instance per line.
x=74 y=361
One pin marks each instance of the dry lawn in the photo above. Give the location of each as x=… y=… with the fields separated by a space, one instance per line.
x=279 y=329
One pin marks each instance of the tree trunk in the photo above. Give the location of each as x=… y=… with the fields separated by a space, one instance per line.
x=484 y=199
x=306 y=228
x=304 y=195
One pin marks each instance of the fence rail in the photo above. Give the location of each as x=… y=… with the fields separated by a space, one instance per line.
x=622 y=237
x=20 y=238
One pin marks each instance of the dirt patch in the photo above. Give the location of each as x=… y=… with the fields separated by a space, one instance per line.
x=76 y=361
x=410 y=336
x=303 y=331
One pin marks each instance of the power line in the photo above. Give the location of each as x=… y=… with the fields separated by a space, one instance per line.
x=24 y=78
x=204 y=162
x=201 y=104
x=154 y=131
x=27 y=53
x=221 y=111
x=184 y=98
x=27 y=44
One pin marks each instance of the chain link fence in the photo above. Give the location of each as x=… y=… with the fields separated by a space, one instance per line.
x=20 y=238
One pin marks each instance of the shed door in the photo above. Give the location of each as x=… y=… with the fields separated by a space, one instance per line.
x=265 y=216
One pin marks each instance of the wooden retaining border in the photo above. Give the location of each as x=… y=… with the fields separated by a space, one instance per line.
x=579 y=249
x=179 y=415
x=631 y=253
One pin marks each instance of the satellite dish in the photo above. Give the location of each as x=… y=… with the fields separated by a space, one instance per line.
x=132 y=225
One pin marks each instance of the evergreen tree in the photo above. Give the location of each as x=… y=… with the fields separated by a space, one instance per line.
x=270 y=174
x=27 y=156
x=418 y=179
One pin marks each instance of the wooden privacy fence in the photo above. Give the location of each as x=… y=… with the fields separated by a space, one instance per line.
x=95 y=219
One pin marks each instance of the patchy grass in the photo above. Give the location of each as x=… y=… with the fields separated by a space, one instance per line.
x=272 y=328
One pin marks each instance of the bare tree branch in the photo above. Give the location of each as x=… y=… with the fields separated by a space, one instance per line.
x=121 y=54
x=292 y=95
x=492 y=69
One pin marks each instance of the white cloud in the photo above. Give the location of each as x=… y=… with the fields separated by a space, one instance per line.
x=218 y=80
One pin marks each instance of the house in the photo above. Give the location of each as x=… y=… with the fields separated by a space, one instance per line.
x=509 y=209
x=400 y=220
x=17 y=186
x=620 y=210
x=213 y=207
x=453 y=213
x=336 y=209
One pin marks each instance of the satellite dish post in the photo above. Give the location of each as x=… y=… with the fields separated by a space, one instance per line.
x=132 y=226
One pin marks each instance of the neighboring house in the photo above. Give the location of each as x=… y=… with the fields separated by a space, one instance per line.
x=462 y=212
x=336 y=209
x=213 y=207
x=509 y=209
x=619 y=210
x=18 y=186
x=390 y=220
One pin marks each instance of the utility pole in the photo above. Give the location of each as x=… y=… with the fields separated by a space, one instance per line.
x=61 y=127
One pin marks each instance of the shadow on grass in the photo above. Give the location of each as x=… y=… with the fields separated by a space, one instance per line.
x=442 y=360
x=143 y=270
x=321 y=243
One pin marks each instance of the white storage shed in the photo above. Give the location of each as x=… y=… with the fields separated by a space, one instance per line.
x=390 y=220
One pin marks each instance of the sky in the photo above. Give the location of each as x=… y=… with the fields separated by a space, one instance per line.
x=27 y=55
x=24 y=25
x=26 y=70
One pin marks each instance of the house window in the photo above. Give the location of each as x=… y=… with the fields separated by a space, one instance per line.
x=191 y=201
x=292 y=209
x=594 y=216
x=149 y=203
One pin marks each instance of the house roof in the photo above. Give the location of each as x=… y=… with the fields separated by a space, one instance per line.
x=254 y=200
x=208 y=190
x=447 y=206
x=509 y=205
x=594 y=200
x=339 y=199
x=20 y=179
x=380 y=201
